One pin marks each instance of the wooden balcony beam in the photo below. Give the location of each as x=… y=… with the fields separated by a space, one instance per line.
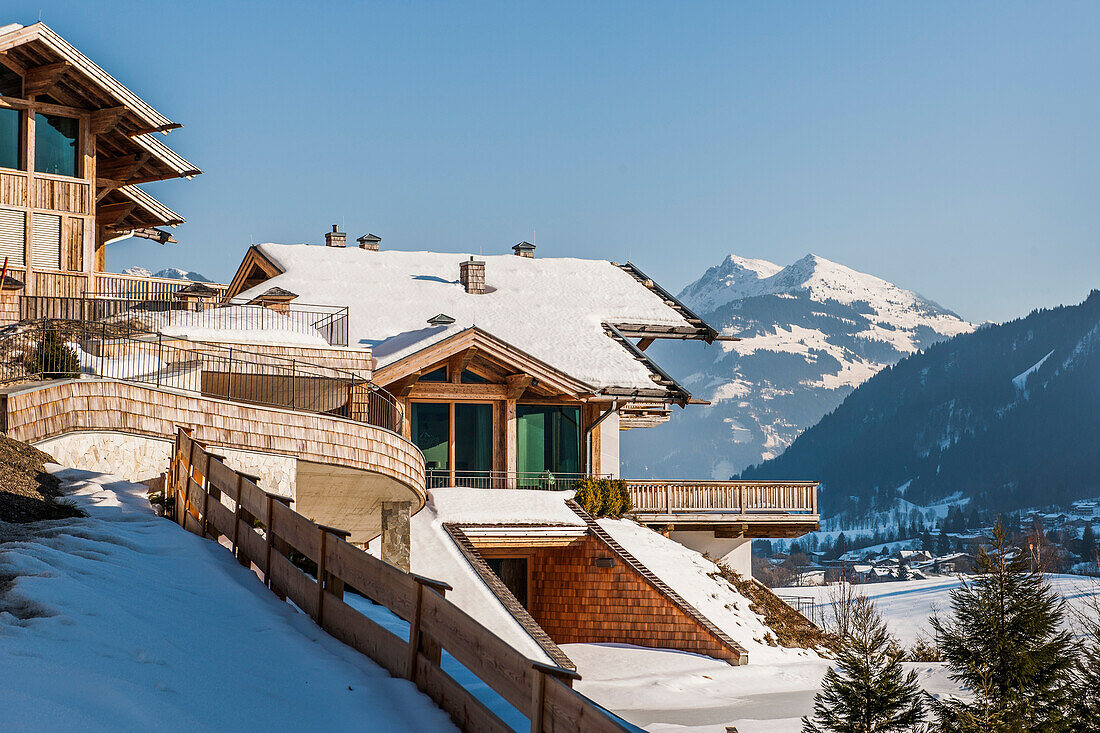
x=40 y=79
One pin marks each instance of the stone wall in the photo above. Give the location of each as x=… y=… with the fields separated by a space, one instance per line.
x=139 y=458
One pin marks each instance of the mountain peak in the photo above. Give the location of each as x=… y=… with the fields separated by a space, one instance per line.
x=734 y=277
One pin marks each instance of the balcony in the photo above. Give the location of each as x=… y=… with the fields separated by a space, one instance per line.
x=546 y=481
x=729 y=508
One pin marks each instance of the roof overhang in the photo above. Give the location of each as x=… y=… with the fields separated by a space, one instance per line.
x=490 y=346
x=697 y=328
x=124 y=123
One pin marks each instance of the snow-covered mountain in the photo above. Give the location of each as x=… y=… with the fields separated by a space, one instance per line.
x=173 y=273
x=1005 y=418
x=810 y=333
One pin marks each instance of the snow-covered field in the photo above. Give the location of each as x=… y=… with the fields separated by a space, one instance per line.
x=123 y=621
x=668 y=691
x=907 y=605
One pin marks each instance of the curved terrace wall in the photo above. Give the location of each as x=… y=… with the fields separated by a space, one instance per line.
x=372 y=464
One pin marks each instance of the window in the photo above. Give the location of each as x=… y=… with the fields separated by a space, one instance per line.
x=13 y=237
x=431 y=432
x=10 y=138
x=436 y=375
x=548 y=439
x=55 y=148
x=473 y=437
x=46 y=242
x=469 y=377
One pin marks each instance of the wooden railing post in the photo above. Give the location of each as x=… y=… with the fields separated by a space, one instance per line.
x=320 y=619
x=538 y=700
x=414 y=634
x=270 y=539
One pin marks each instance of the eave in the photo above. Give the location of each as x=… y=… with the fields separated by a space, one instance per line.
x=698 y=328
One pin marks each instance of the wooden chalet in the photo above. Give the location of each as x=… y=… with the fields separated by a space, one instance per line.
x=74 y=146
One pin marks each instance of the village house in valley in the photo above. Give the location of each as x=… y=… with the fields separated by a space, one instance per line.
x=433 y=408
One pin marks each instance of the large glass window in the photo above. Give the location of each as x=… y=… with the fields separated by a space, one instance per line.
x=473 y=437
x=548 y=439
x=55 y=148
x=9 y=138
x=431 y=432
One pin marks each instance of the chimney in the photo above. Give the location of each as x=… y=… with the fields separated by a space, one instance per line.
x=369 y=242
x=336 y=238
x=472 y=274
x=525 y=249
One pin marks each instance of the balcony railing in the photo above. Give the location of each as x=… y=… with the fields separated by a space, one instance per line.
x=298 y=324
x=545 y=481
x=117 y=285
x=725 y=497
x=74 y=349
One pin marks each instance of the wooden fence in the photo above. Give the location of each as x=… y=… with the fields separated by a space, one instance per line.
x=215 y=501
x=774 y=497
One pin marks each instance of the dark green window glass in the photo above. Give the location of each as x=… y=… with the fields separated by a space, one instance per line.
x=548 y=439
x=55 y=145
x=469 y=377
x=436 y=375
x=9 y=138
x=431 y=432
x=473 y=437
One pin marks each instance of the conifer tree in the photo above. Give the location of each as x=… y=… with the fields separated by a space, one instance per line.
x=1004 y=645
x=866 y=691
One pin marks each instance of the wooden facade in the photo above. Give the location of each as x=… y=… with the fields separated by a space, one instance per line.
x=54 y=227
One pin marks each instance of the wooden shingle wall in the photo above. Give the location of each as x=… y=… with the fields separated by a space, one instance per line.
x=577 y=602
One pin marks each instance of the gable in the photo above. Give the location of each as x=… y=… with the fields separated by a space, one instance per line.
x=476 y=364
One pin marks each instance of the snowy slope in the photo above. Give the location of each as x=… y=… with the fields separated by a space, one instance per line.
x=171 y=273
x=122 y=621
x=810 y=333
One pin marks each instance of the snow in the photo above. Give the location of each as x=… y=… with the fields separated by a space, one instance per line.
x=170 y=273
x=237 y=323
x=434 y=554
x=734 y=278
x=495 y=506
x=551 y=308
x=695 y=579
x=907 y=605
x=118 y=367
x=665 y=691
x=1020 y=380
x=124 y=621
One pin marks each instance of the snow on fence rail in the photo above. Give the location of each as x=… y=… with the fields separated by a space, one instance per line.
x=671 y=497
x=215 y=501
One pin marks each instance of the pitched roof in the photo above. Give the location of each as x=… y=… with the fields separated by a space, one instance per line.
x=554 y=309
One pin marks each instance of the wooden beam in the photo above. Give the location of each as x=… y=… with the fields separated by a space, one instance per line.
x=108 y=214
x=104 y=120
x=447 y=391
x=40 y=79
x=158 y=128
x=516 y=384
x=121 y=168
x=458 y=363
x=645 y=343
x=402 y=387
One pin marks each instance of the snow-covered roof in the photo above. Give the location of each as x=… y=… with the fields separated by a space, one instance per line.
x=551 y=308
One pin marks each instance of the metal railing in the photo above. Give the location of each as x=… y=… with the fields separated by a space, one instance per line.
x=741 y=497
x=54 y=349
x=301 y=324
x=545 y=481
x=807 y=606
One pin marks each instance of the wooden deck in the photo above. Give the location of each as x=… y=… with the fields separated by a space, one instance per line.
x=776 y=509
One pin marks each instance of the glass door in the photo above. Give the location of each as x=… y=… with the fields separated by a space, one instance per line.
x=431 y=433
x=548 y=443
x=474 y=442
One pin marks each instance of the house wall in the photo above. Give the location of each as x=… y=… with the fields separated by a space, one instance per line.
x=608 y=456
x=576 y=602
x=734 y=552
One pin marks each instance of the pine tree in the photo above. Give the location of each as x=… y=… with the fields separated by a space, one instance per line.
x=1088 y=544
x=1003 y=644
x=866 y=691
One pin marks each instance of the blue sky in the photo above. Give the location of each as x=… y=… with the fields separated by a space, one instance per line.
x=950 y=148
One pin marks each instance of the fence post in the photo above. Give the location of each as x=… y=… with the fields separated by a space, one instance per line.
x=320 y=619
x=187 y=484
x=414 y=634
x=237 y=524
x=160 y=355
x=538 y=701
x=270 y=539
